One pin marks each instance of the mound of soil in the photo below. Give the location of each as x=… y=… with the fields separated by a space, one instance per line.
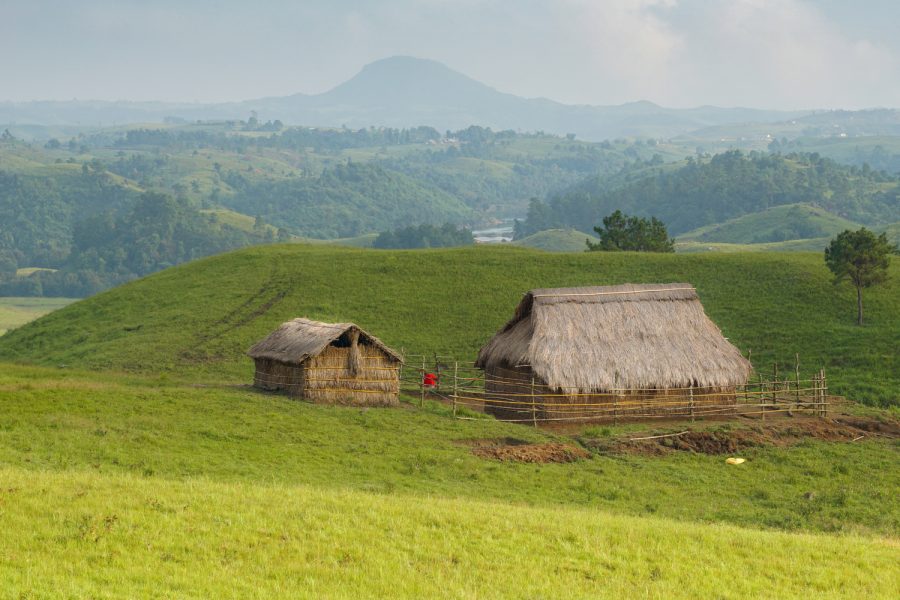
x=734 y=440
x=513 y=450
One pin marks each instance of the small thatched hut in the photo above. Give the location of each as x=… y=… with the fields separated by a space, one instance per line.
x=327 y=363
x=614 y=351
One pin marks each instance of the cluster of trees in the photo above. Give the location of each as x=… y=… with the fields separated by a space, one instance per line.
x=728 y=185
x=425 y=236
x=621 y=232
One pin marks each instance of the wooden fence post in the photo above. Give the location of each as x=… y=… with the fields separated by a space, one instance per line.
x=762 y=399
x=817 y=391
x=821 y=391
x=422 y=384
x=691 y=392
x=797 y=374
x=824 y=395
x=455 y=385
x=775 y=385
x=437 y=371
x=815 y=394
x=533 y=404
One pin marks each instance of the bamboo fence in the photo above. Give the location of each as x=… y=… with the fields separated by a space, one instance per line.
x=462 y=385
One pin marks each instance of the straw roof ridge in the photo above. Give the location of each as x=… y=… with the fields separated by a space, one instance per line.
x=300 y=338
x=630 y=336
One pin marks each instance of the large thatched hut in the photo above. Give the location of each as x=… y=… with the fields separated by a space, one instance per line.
x=327 y=363
x=613 y=351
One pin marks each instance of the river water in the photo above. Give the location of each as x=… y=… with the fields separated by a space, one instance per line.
x=495 y=234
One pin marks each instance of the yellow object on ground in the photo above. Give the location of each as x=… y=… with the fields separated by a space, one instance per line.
x=734 y=461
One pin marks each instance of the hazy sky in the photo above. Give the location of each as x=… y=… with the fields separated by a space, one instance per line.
x=761 y=53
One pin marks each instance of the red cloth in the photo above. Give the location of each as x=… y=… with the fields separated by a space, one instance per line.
x=430 y=380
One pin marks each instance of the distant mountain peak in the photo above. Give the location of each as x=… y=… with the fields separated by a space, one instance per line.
x=405 y=62
x=401 y=80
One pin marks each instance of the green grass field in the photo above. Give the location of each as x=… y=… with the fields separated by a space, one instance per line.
x=120 y=536
x=15 y=312
x=198 y=319
x=132 y=486
x=134 y=425
x=141 y=464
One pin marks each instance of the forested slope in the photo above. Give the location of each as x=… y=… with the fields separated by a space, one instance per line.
x=699 y=192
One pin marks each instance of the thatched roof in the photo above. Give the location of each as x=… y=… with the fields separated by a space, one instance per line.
x=299 y=339
x=629 y=336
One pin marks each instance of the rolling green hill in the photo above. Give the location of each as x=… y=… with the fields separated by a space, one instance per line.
x=176 y=479
x=810 y=245
x=557 y=240
x=777 y=224
x=254 y=183
x=199 y=318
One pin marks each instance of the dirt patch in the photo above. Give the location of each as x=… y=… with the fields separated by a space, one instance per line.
x=889 y=429
x=476 y=443
x=552 y=452
x=733 y=440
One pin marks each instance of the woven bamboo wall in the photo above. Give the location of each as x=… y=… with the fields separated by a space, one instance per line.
x=329 y=380
x=509 y=396
x=273 y=375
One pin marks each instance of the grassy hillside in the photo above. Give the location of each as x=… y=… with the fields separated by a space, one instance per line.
x=237 y=220
x=105 y=536
x=777 y=224
x=687 y=243
x=133 y=484
x=15 y=312
x=556 y=240
x=199 y=318
x=146 y=426
x=810 y=245
x=172 y=481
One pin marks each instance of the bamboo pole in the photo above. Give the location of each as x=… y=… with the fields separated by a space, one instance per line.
x=821 y=391
x=797 y=374
x=824 y=395
x=691 y=392
x=533 y=403
x=817 y=383
x=422 y=384
x=455 y=385
x=775 y=384
x=762 y=400
x=437 y=371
